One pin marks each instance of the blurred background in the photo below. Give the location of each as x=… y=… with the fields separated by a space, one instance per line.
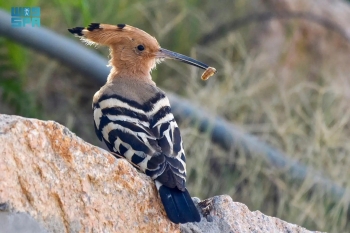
x=283 y=76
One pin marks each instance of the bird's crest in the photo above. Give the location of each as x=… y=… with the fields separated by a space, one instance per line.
x=134 y=53
x=106 y=34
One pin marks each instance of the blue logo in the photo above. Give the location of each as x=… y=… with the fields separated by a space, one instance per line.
x=22 y=16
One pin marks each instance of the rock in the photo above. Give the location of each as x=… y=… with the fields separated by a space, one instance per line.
x=221 y=214
x=53 y=181
x=19 y=223
x=68 y=185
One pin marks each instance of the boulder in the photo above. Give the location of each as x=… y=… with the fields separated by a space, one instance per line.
x=53 y=181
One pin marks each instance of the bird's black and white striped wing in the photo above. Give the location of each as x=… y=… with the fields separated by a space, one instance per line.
x=146 y=135
x=171 y=163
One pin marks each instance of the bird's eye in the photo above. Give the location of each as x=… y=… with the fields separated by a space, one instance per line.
x=140 y=47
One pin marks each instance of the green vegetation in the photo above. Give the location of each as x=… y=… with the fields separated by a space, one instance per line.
x=299 y=106
x=13 y=65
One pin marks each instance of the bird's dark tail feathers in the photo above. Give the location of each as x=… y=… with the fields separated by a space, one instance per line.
x=178 y=205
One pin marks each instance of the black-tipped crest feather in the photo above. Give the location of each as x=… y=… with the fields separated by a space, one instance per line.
x=76 y=31
x=121 y=25
x=93 y=26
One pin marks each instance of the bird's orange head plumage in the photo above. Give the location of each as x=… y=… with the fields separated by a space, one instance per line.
x=134 y=53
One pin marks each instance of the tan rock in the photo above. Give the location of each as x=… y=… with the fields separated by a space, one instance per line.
x=68 y=185
x=224 y=215
x=53 y=181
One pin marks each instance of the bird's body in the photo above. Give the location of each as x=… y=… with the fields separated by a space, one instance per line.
x=135 y=120
x=133 y=116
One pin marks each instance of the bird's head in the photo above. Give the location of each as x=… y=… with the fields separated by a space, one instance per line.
x=134 y=53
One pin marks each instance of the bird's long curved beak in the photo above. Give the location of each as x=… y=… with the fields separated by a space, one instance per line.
x=164 y=53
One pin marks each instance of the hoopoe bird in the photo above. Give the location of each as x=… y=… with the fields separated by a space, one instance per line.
x=133 y=116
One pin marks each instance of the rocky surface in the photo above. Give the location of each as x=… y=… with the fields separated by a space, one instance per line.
x=53 y=181
x=221 y=214
x=68 y=185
